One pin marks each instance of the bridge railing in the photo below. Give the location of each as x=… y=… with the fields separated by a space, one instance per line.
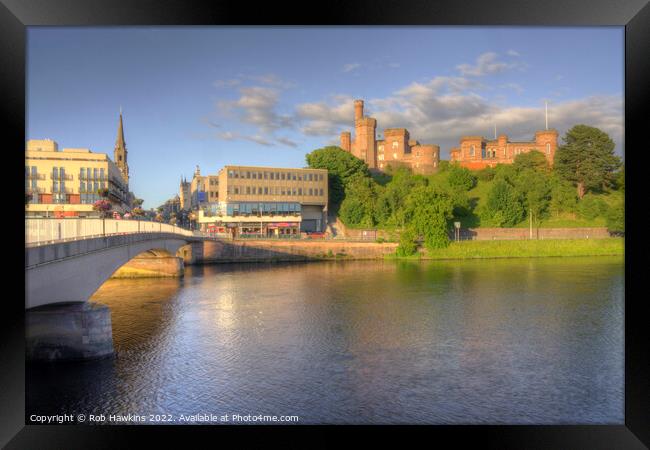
x=40 y=230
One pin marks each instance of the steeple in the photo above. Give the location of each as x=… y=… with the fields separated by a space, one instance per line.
x=120 y=153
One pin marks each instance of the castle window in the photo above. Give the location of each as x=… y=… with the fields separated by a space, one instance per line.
x=394 y=155
x=395 y=144
x=472 y=151
x=417 y=153
x=381 y=148
x=380 y=157
x=504 y=152
x=548 y=148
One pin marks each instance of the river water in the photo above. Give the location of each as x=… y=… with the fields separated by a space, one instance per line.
x=520 y=341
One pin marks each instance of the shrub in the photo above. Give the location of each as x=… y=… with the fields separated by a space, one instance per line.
x=461 y=178
x=407 y=245
x=591 y=207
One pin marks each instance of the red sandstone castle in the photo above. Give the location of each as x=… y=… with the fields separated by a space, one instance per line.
x=476 y=152
x=396 y=149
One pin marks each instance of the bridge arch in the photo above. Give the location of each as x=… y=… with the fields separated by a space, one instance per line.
x=65 y=273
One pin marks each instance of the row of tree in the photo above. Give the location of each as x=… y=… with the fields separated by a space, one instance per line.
x=424 y=207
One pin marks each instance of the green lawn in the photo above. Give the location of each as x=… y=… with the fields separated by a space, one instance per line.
x=532 y=248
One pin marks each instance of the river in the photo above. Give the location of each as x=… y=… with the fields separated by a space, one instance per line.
x=519 y=341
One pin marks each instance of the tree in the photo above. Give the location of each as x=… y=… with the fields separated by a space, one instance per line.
x=103 y=192
x=533 y=160
x=137 y=202
x=615 y=217
x=427 y=210
x=390 y=203
x=340 y=165
x=563 y=196
x=407 y=245
x=535 y=190
x=591 y=207
x=359 y=205
x=461 y=178
x=137 y=212
x=503 y=207
x=587 y=159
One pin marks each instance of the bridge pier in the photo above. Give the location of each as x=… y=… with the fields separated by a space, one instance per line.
x=68 y=331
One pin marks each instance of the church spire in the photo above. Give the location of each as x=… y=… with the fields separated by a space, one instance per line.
x=120 y=153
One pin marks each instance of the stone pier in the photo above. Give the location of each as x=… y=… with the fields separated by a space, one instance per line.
x=65 y=332
x=149 y=265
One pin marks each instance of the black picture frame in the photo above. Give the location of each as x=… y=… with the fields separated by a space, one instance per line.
x=634 y=15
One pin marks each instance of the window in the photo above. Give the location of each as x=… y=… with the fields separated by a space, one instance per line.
x=294 y=176
x=395 y=144
x=311 y=191
x=548 y=148
x=320 y=177
x=283 y=175
x=321 y=192
x=101 y=174
x=266 y=191
x=248 y=175
x=254 y=175
x=299 y=191
x=394 y=155
x=236 y=190
x=471 y=151
x=95 y=173
x=381 y=148
x=55 y=186
x=266 y=175
x=55 y=173
x=248 y=189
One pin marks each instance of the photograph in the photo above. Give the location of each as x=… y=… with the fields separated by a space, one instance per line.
x=324 y=225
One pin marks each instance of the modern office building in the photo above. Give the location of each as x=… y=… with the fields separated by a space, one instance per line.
x=267 y=201
x=65 y=183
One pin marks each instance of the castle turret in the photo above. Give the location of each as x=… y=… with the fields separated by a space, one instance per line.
x=358 y=109
x=546 y=141
x=345 y=140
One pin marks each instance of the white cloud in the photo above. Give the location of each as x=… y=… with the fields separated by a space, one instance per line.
x=512 y=53
x=350 y=67
x=487 y=64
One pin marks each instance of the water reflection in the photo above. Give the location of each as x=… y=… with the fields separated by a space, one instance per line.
x=499 y=341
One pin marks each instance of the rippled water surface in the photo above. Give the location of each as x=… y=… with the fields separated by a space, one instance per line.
x=494 y=341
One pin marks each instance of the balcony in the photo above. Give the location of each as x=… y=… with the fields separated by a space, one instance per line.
x=63 y=177
x=36 y=190
x=35 y=176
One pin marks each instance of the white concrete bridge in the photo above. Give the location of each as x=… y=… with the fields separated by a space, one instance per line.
x=67 y=260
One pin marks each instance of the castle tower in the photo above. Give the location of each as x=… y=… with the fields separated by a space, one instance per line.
x=546 y=142
x=365 y=128
x=358 y=109
x=345 y=141
x=120 y=153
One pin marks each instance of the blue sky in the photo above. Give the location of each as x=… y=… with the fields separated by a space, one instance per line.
x=211 y=96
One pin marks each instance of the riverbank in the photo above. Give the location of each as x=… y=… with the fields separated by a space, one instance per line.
x=523 y=249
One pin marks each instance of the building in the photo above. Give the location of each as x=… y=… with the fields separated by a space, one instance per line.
x=477 y=152
x=395 y=149
x=198 y=193
x=268 y=201
x=65 y=183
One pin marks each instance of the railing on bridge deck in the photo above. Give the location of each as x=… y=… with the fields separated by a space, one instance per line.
x=41 y=231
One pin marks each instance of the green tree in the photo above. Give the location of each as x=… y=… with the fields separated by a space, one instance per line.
x=407 y=245
x=359 y=205
x=427 y=210
x=390 y=203
x=591 y=207
x=563 y=196
x=615 y=217
x=535 y=190
x=503 y=207
x=137 y=202
x=461 y=178
x=533 y=160
x=587 y=159
x=341 y=165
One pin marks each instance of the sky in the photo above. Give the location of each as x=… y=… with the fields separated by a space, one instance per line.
x=267 y=96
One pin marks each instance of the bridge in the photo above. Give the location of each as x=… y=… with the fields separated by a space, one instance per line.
x=67 y=260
